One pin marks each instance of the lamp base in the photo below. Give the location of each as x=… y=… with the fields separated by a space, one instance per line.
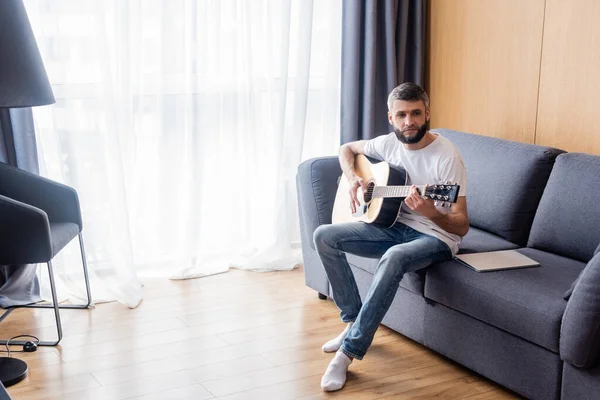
x=12 y=370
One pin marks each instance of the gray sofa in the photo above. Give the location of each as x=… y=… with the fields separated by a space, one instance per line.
x=514 y=327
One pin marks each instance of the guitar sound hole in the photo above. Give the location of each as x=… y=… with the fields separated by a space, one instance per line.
x=369 y=193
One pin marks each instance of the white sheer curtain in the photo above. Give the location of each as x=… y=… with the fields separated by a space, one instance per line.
x=181 y=124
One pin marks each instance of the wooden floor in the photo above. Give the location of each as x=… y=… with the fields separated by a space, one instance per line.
x=239 y=335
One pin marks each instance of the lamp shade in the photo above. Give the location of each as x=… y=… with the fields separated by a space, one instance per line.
x=23 y=79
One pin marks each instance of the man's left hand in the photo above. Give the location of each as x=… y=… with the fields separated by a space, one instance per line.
x=424 y=207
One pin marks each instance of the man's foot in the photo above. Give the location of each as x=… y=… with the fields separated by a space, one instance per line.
x=335 y=343
x=335 y=375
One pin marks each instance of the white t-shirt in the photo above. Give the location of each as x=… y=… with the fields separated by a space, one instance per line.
x=436 y=163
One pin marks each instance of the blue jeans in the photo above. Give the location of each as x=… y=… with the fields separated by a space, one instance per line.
x=401 y=249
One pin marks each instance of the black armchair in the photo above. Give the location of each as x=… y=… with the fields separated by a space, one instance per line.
x=38 y=218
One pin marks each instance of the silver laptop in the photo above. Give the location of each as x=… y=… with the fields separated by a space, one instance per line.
x=496 y=260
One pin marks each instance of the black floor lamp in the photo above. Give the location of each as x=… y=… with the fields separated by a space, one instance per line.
x=23 y=83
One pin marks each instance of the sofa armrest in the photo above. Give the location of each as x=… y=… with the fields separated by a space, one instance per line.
x=24 y=233
x=60 y=202
x=580 y=329
x=317 y=185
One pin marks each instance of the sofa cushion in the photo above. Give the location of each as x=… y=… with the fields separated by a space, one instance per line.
x=567 y=219
x=478 y=241
x=413 y=281
x=506 y=181
x=525 y=302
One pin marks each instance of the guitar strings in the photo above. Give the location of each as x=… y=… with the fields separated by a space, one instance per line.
x=371 y=190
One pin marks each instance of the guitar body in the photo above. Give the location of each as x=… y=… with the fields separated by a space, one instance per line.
x=381 y=211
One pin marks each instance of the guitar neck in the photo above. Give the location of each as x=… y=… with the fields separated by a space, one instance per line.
x=395 y=191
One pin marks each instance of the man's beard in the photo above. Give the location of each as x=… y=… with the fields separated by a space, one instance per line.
x=416 y=138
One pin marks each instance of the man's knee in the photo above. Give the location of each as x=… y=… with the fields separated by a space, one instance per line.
x=322 y=237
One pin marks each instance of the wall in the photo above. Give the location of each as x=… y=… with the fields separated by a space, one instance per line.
x=524 y=70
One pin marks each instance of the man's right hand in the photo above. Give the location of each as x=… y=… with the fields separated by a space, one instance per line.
x=355 y=182
x=346 y=154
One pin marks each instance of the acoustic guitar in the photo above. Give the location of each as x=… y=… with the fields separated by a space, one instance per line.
x=386 y=189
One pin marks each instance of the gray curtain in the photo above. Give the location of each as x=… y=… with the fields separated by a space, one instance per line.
x=383 y=45
x=18 y=283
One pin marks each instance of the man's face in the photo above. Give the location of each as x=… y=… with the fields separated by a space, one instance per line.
x=409 y=119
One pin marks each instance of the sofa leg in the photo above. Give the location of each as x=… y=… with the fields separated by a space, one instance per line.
x=322 y=296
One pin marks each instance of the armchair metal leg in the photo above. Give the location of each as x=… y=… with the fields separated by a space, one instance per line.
x=85 y=271
x=87 y=286
x=6 y=313
x=56 y=308
x=55 y=304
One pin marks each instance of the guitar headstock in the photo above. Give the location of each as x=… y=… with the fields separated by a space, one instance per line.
x=445 y=193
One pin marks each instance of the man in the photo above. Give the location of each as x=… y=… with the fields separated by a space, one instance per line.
x=422 y=235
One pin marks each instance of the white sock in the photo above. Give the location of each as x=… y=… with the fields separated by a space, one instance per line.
x=335 y=376
x=335 y=343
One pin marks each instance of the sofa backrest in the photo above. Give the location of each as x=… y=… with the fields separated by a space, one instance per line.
x=505 y=181
x=567 y=222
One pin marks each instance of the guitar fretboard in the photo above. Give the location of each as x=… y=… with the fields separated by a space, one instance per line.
x=395 y=191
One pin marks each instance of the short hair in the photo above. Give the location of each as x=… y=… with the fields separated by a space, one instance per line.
x=408 y=91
